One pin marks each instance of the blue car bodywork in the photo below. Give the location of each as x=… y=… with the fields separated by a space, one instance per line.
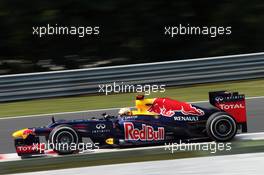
x=187 y=122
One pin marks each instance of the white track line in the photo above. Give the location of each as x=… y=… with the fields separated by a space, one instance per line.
x=94 y=110
x=244 y=137
x=250 y=136
x=242 y=164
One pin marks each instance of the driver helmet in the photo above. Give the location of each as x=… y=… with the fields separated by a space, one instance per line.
x=124 y=111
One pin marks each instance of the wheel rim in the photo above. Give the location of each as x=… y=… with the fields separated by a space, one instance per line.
x=223 y=127
x=64 y=139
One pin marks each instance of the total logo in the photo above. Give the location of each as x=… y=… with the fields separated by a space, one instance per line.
x=231 y=106
x=147 y=133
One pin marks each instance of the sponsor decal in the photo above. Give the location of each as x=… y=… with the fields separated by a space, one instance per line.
x=231 y=106
x=130 y=117
x=168 y=107
x=100 y=126
x=218 y=99
x=35 y=148
x=100 y=131
x=167 y=113
x=229 y=98
x=147 y=133
x=237 y=109
x=186 y=118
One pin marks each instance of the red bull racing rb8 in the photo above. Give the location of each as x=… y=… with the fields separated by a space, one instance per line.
x=155 y=121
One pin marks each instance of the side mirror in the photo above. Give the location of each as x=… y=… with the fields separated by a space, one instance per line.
x=52 y=119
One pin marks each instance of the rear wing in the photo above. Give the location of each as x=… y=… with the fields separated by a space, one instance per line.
x=233 y=103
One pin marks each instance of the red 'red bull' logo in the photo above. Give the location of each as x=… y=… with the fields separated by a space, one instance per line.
x=147 y=133
x=167 y=107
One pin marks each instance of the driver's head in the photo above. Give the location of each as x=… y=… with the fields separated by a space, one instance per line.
x=124 y=111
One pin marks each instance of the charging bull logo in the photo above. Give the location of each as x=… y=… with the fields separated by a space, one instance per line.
x=167 y=107
x=147 y=133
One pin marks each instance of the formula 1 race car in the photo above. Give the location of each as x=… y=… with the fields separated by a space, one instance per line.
x=155 y=121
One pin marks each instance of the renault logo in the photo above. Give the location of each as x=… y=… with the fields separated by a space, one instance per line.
x=100 y=126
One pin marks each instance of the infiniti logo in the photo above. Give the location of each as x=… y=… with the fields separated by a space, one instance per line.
x=100 y=126
x=219 y=99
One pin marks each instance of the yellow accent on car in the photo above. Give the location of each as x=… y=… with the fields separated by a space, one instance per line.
x=20 y=134
x=109 y=141
x=142 y=106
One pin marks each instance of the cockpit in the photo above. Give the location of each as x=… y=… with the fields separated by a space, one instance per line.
x=142 y=107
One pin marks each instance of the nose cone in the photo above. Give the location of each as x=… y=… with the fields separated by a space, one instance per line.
x=19 y=133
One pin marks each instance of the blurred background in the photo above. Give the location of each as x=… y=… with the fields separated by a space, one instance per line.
x=130 y=32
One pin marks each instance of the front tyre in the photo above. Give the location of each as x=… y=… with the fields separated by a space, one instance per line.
x=64 y=139
x=221 y=127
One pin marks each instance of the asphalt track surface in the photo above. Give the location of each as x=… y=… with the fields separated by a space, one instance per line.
x=255 y=110
x=241 y=164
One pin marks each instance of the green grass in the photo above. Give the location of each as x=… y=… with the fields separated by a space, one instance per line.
x=68 y=104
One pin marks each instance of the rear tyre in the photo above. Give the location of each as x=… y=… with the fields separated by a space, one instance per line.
x=221 y=127
x=64 y=139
